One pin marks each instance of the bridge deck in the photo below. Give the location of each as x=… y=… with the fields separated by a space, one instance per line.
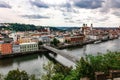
x=62 y=53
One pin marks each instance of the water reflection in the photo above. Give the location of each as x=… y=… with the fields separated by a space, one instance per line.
x=113 y=45
x=33 y=64
x=4 y=62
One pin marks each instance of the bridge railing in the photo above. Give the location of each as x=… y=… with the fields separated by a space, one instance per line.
x=62 y=53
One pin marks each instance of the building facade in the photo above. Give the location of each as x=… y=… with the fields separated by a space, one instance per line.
x=16 y=48
x=44 y=39
x=75 y=39
x=6 y=48
x=25 y=47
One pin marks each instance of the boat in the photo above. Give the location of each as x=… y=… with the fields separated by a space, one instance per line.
x=98 y=41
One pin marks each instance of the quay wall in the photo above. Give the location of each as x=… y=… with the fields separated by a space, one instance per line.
x=47 y=51
x=23 y=54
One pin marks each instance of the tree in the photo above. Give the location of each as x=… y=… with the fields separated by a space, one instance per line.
x=58 y=68
x=32 y=77
x=55 y=71
x=49 y=71
x=105 y=62
x=55 y=42
x=39 y=44
x=1 y=77
x=58 y=76
x=17 y=75
x=67 y=41
x=84 y=69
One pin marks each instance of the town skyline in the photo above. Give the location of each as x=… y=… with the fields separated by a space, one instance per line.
x=101 y=13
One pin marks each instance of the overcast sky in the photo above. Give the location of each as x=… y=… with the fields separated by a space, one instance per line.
x=61 y=12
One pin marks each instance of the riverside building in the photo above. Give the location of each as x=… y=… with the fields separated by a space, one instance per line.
x=25 y=47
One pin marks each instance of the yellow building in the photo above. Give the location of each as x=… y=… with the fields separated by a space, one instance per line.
x=24 y=40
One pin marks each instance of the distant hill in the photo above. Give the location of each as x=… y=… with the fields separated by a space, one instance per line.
x=22 y=27
x=29 y=27
x=67 y=28
x=19 y=27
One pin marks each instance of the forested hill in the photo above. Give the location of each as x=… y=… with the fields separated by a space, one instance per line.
x=20 y=27
x=24 y=27
x=30 y=27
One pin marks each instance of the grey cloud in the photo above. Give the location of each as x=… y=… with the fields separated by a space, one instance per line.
x=64 y=14
x=88 y=4
x=75 y=11
x=35 y=17
x=103 y=19
x=70 y=21
x=39 y=4
x=67 y=18
x=79 y=21
x=117 y=13
x=115 y=3
x=4 y=5
x=110 y=4
x=67 y=6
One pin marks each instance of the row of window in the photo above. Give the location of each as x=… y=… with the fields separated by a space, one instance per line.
x=29 y=46
x=24 y=50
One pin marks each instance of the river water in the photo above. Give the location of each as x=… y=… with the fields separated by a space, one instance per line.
x=33 y=64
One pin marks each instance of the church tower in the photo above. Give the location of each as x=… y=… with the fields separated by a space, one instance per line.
x=91 y=27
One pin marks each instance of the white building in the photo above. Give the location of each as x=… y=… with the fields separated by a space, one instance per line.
x=44 y=39
x=25 y=47
x=93 y=37
x=61 y=39
x=16 y=48
x=14 y=36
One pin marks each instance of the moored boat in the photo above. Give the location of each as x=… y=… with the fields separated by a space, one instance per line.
x=98 y=41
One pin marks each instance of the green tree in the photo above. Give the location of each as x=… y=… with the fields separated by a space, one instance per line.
x=17 y=75
x=32 y=77
x=58 y=68
x=72 y=75
x=67 y=41
x=39 y=44
x=58 y=76
x=105 y=62
x=55 y=42
x=84 y=69
x=49 y=71
x=55 y=71
x=1 y=77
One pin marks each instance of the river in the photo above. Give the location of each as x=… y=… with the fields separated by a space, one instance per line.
x=33 y=64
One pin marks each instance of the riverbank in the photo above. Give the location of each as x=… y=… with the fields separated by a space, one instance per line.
x=23 y=54
x=33 y=64
x=85 y=43
x=46 y=51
